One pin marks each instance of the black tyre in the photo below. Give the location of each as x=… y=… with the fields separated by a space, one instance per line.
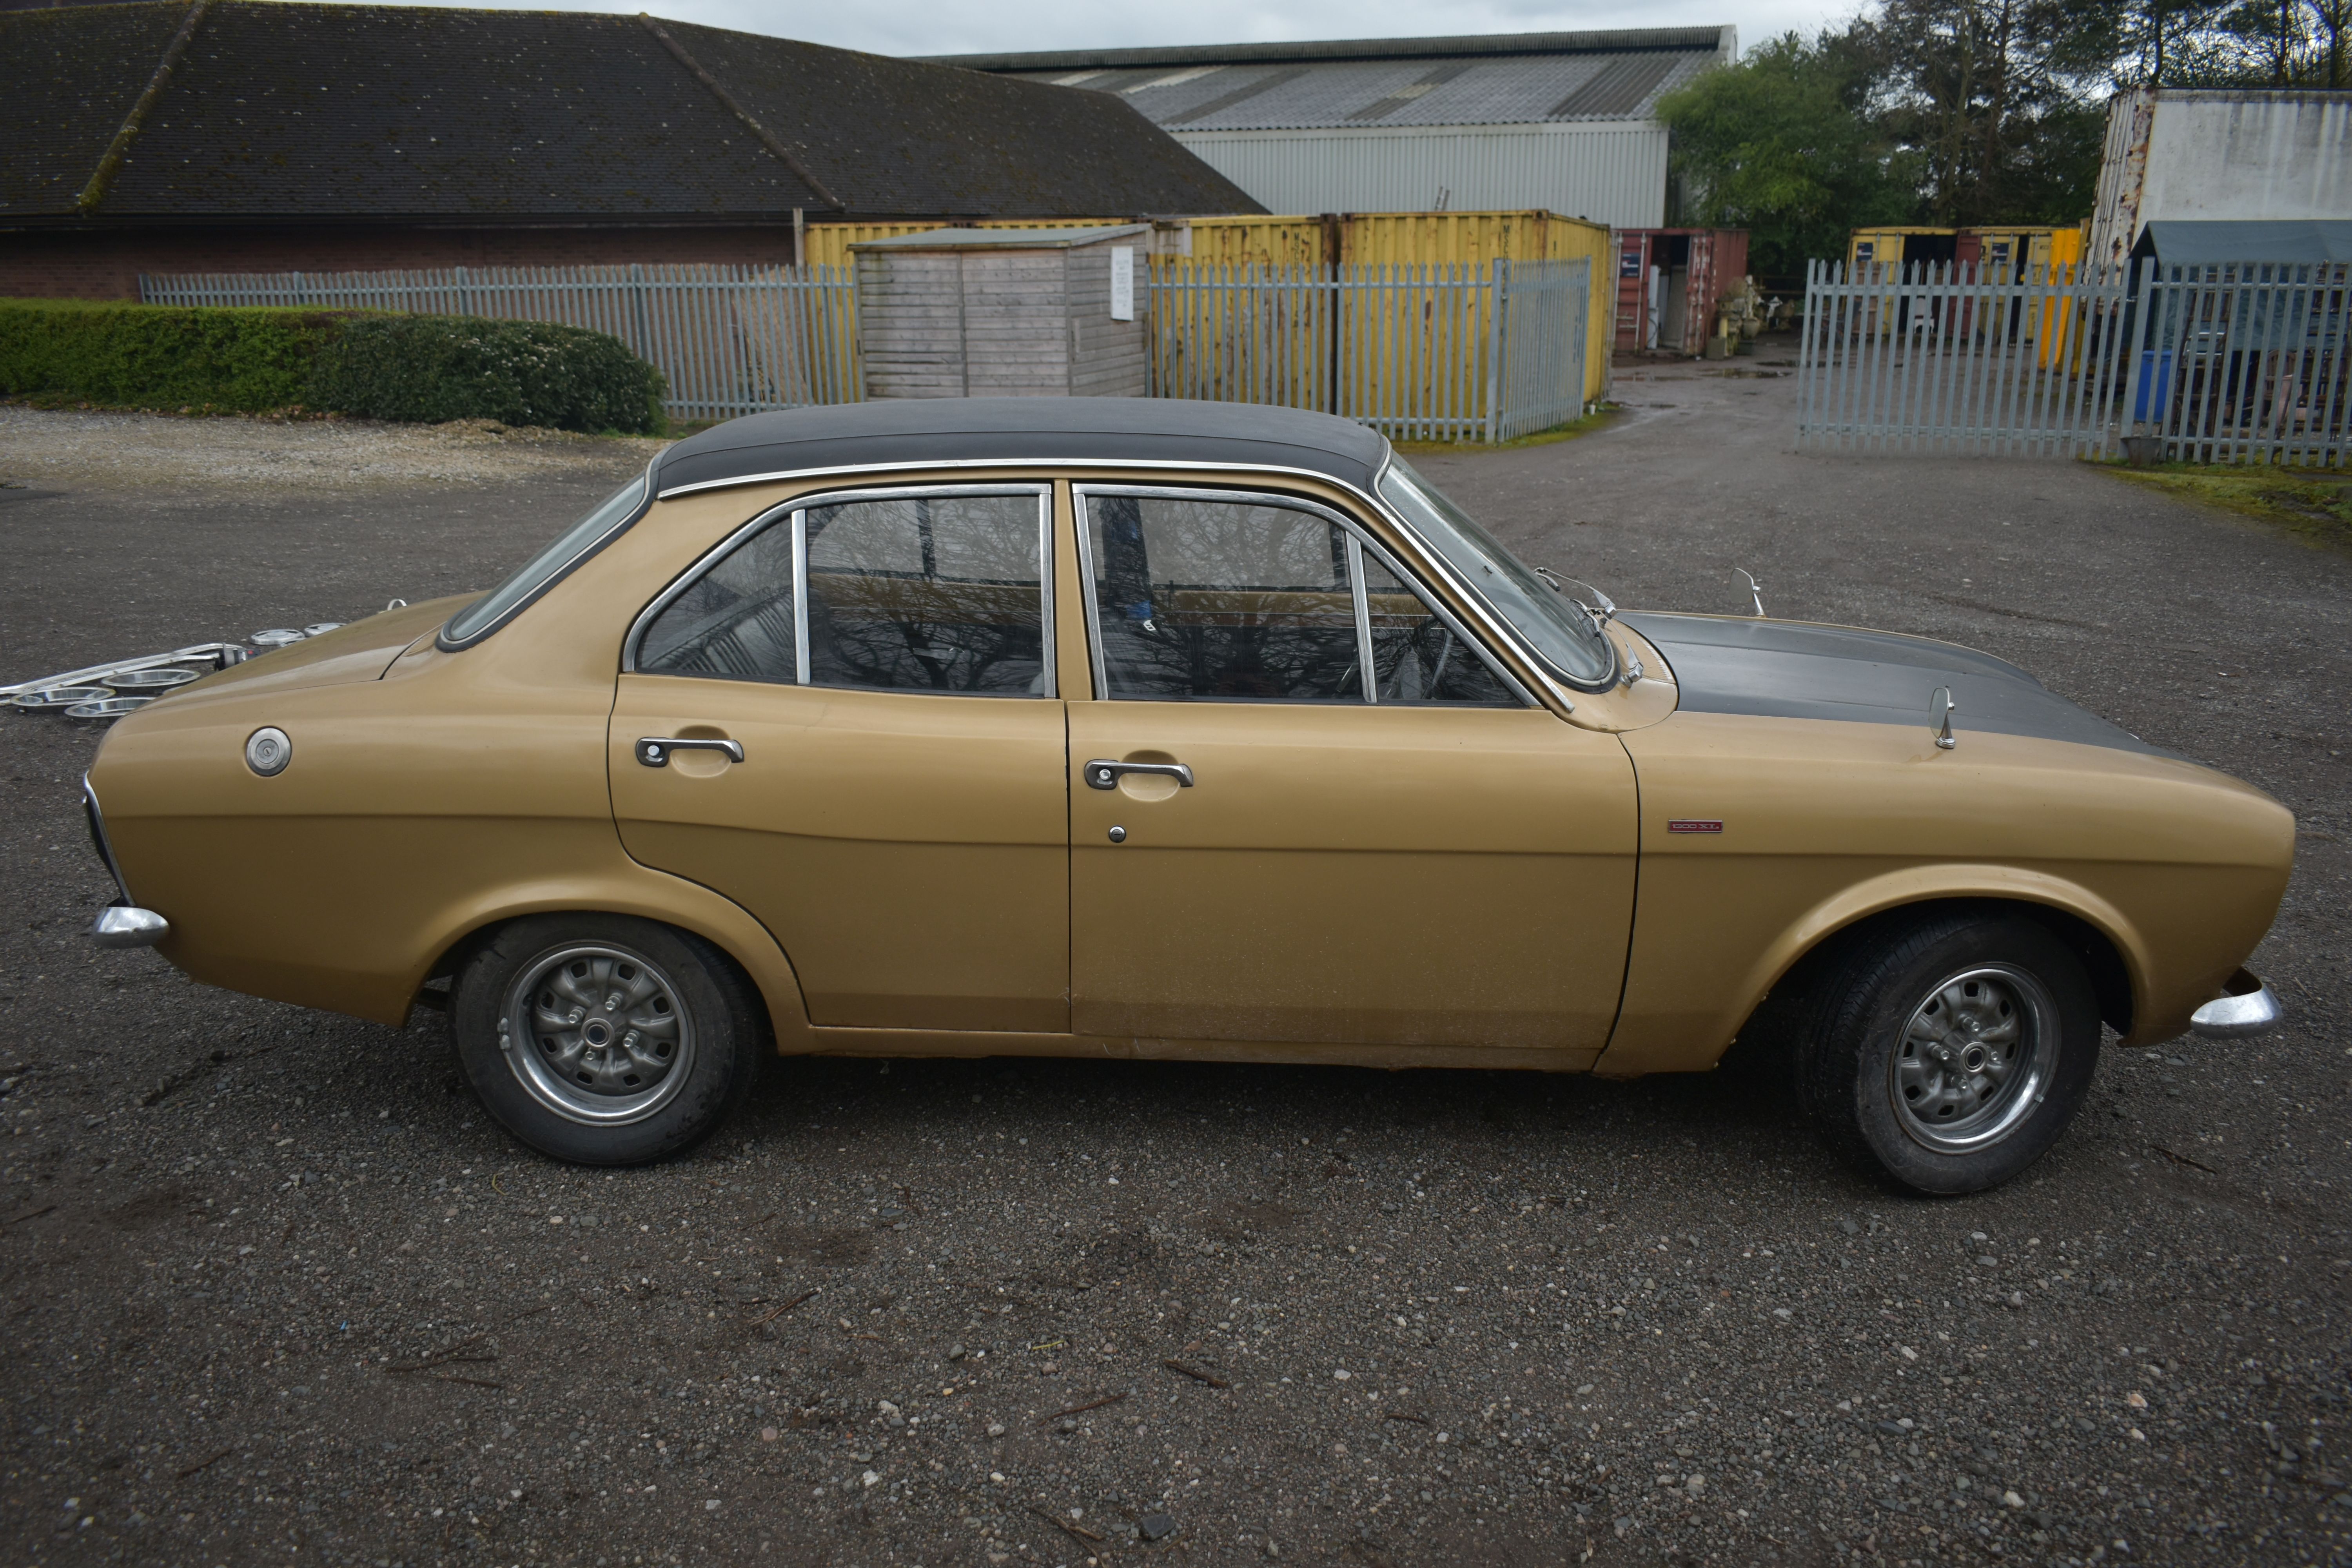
x=1948 y=1055
x=604 y=1039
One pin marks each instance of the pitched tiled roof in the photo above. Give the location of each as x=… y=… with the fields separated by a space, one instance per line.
x=278 y=112
x=1499 y=79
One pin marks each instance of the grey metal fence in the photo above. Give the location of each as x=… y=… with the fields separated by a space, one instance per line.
x=1442 y=352
x=2240 y=363
x=1448 y=353
x=1547 y=313
x=2235 y=363
x=729 y=338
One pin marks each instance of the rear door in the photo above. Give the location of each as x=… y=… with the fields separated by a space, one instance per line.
x=846 y=721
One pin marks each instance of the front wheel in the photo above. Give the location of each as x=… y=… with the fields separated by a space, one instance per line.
x=1950 y=1055
x=605 y=1039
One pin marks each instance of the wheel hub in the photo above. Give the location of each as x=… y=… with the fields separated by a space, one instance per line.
x=596 y=1034
x=1974 y=1058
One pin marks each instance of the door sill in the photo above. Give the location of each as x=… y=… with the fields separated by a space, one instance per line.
x=975 y=1042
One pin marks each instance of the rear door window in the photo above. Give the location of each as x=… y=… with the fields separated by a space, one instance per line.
x=931 y=590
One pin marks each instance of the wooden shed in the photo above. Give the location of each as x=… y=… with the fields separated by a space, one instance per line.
x=1036 y=312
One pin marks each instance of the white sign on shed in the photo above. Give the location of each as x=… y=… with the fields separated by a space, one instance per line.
x=1122 y=282
x=1003 y=312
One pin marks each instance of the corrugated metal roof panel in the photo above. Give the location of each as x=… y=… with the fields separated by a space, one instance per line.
x=1618 y=88
x=1503 y=90
x=1718 y=41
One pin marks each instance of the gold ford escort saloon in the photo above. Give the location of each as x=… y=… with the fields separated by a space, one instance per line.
x=1114 y=728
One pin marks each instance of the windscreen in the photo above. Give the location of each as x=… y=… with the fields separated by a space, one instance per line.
x=1559 y=629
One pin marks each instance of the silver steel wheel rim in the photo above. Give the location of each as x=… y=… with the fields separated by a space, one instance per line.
x=597 y=1033
x=1974 y=1058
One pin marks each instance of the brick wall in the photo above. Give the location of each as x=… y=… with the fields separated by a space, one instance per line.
x=107 y=265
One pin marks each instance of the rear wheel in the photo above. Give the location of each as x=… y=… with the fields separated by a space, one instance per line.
x=604 y=1039
x=1950 y=1055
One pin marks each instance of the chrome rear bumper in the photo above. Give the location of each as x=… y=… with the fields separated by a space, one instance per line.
x=2248 y=1008
x=125 y=924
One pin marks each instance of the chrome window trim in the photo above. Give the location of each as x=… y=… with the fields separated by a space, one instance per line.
x=1359 y=543
x=1498 y=630
x=1487 y=612
x=1366 y=675
x=634 y=644
x=796 y=515
x=441 y=638
x=1087 y=595
x=1452 y=623
x=800 y=596
x=1021 y=464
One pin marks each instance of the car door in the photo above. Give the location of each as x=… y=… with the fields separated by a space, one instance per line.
x=1269 y=845
x=844 y=718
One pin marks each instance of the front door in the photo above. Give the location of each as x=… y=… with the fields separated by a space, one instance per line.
x=1307 y=807
x=846 y=721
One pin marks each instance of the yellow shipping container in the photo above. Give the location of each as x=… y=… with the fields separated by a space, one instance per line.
x=1421 y=239
x=1887 y=248
x=827 y=244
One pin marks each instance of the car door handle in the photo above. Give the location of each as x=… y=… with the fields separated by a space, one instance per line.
x=653 y=750
x=1103 y=774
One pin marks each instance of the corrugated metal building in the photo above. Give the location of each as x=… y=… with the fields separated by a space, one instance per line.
x=2220 y=156
x=1554 y=121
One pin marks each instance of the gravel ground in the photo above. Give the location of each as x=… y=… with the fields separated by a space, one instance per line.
x=275 y=1290
x=112 y=450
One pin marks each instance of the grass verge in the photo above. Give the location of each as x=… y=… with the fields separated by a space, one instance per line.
x=1558 y=433
x=2315 y=503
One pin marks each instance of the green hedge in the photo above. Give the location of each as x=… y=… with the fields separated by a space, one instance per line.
x=428 y=368
x=160 y=356
x=434 y=368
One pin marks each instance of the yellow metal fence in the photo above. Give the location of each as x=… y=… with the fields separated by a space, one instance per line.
x=1433 y=353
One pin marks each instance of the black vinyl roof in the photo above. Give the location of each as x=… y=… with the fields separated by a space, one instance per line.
x=282 y=112
x=1023 y=429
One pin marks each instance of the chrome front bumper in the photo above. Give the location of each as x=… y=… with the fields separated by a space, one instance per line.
x=125 y=924
x=2248 y=1008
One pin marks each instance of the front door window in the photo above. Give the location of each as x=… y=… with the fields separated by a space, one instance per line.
x=1207 y=596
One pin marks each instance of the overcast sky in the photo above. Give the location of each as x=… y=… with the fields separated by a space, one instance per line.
x=963 y=26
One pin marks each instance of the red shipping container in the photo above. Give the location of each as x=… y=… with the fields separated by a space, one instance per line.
x=1669 y=281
